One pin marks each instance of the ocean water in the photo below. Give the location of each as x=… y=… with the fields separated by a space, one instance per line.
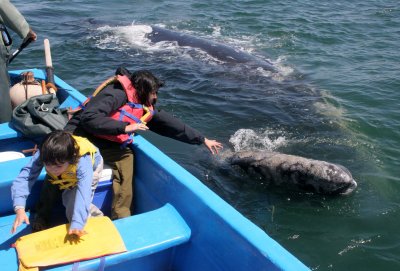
x=333 y=95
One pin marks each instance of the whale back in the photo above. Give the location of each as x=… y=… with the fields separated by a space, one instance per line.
x=309 y=174
x=215 y=49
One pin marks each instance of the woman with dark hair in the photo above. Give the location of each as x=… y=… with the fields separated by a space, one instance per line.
x=73 y=166
x=122 y=106
x=145 y=84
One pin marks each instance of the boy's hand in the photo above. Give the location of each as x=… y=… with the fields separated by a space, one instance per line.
x=77 y=232
x=19 y=219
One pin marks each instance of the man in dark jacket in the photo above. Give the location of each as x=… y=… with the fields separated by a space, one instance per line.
x=12 y=18
x=95 y=120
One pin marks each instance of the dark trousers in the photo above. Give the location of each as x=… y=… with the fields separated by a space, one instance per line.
x=49 y=196
x=121 y=162
x=5 y=101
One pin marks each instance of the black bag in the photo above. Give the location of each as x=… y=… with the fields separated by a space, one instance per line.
x=39 y=115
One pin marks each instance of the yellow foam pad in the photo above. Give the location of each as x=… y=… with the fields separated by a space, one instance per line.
x=54 y=246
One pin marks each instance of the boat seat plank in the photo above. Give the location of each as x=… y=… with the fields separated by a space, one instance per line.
x=143 y=234
x=7 y=132
x=10 y=170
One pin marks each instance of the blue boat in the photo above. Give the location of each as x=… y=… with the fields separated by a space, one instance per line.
x=179 y=223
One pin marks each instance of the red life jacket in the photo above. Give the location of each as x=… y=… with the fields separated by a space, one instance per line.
x=132 y=111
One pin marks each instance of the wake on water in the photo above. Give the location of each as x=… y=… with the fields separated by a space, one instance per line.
x=134 y=37
x=132 y=40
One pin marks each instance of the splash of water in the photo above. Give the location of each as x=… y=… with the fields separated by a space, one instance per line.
x=248 y=139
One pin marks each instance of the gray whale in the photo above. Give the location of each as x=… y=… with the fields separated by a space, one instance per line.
x=314 y=175
x=215 y=49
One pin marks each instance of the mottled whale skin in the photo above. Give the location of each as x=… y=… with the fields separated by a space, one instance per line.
x=313 y=175
x=218 y=50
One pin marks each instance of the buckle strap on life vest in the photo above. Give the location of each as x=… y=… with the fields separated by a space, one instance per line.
x=128 y=141
x=124 y=113
x=148 y=112
x=134 y=105
x=63 y=184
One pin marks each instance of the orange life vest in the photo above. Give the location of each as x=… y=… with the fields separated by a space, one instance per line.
x=132 y=112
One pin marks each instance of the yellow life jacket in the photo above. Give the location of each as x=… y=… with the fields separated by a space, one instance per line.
x=54 y=246
x=68 y=178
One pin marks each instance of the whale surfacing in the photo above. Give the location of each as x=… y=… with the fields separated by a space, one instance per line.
x=313 y=175
x=215 y=49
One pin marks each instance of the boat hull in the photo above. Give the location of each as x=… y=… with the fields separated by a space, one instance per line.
x=218 y=237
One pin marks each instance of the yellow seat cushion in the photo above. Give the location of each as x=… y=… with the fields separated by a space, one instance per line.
x=54 y=246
